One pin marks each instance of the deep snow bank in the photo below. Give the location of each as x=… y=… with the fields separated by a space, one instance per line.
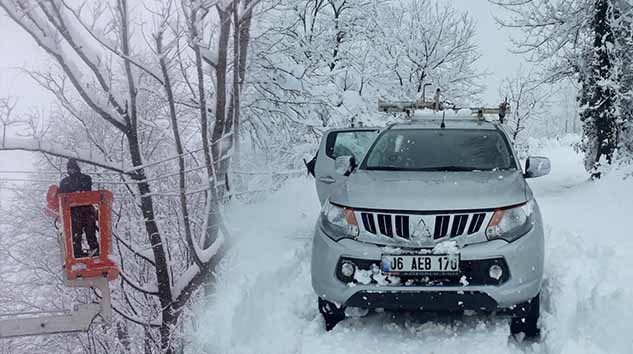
x=589 y=260
x=265 y=304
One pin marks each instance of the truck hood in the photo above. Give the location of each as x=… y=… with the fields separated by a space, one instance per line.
x=431 y=191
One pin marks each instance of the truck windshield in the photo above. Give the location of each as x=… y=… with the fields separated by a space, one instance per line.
x=440 y=150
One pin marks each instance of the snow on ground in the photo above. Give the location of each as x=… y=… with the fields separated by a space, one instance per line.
x=265 y=303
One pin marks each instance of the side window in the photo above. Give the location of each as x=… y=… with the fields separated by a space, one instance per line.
x=349 y=143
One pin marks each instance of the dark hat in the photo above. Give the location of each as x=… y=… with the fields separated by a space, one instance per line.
x=72 y=164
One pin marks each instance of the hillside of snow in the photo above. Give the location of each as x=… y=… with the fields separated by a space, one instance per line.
x=265 y=303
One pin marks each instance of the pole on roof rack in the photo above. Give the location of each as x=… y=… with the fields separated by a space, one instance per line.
x=424 y=90
x=503 y=108
x=409 y=107
x=436 y=99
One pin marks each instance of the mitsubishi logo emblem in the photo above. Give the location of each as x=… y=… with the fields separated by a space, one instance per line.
x=421 y=230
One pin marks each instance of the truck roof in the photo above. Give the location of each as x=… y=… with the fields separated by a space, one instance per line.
x=433 y=122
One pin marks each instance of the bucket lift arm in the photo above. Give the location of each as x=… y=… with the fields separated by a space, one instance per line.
x=84 y=272
x=79 y=320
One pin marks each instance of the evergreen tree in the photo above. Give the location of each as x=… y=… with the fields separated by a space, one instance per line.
x=591 y=41
x=623 y=31
x=599 y=114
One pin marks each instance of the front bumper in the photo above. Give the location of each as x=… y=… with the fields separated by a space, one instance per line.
x=423 y=300
x=523 y=257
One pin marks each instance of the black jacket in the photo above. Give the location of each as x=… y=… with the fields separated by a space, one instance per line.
x=77 y=182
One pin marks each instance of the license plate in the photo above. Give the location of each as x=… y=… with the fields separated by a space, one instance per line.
x=420 y=264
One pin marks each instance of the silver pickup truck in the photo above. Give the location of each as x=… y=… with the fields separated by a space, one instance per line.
x=431 y=214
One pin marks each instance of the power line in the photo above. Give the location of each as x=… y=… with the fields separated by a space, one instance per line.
x=55 y=172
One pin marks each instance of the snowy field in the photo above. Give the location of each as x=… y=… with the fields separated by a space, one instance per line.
x=265 y=303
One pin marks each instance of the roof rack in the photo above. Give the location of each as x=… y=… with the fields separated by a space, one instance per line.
x=409 y=107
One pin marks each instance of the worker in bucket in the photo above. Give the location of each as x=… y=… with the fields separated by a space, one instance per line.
x=83 y=218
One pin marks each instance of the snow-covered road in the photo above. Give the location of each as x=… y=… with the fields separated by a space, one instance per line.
x=265 y=303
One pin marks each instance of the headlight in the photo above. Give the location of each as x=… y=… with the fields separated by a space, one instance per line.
x=511 y=223
x=338 y=222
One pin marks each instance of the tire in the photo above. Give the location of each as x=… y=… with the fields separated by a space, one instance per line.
x=527 y=322
x=332 y=314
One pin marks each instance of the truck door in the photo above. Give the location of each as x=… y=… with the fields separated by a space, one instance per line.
x=339 y=142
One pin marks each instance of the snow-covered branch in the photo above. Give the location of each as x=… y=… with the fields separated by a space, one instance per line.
x=12 y=144
x=35 y=21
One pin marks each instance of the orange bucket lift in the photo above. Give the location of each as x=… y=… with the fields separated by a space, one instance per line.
x=80 y=272
x=88 y=267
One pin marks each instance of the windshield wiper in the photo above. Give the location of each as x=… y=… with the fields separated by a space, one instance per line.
x=385 y=168
x=423 y=169
x=450 y=168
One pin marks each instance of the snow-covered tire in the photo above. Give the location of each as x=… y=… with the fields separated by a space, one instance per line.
x=527 y=323
x=332 y=314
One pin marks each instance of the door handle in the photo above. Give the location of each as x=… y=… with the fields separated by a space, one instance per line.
x=327 y=179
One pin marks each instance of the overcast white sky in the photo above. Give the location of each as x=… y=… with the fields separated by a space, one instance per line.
x=17 y=49
x=494 y=44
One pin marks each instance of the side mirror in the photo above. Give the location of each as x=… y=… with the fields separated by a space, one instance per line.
x=344 y=165
x=537 y=166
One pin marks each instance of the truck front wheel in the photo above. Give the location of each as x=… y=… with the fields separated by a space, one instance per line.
x=332 y=314
x=527 y=322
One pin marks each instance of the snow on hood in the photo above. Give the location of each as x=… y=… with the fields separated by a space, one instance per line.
x=406 y=190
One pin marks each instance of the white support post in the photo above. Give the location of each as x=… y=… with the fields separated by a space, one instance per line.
x=79 y=320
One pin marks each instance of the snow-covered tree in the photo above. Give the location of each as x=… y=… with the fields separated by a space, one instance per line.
x=148 y=91
x=7 y=116
x=587 y=41
x=528 y=99
x=325 y=63
x=420 y=42
x=598 y=96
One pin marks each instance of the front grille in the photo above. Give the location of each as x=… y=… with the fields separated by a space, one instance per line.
x=402 y=226
x=441 y=226
x=451 y=225
x=384 y=225
x=476 y=222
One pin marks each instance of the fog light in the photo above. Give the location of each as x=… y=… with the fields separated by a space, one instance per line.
x=495 y=272
x=348 y=269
